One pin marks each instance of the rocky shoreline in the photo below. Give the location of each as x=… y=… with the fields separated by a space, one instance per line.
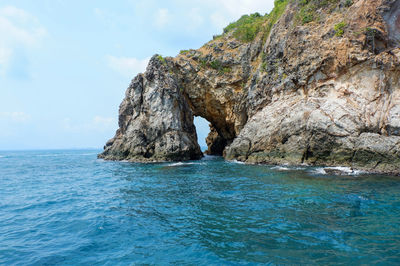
x=321 y=88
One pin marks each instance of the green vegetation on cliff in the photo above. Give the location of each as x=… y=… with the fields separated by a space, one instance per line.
x=339 y=28
x=249 y=26
x=309 y=9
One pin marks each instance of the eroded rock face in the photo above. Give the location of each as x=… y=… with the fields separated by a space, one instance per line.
x=155 y=121
x=392 y=18
x=351 y=121
x=215 y=143
x=303 y=94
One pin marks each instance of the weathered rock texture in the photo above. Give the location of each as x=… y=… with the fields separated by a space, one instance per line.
x=300 y=94
x=155 y=120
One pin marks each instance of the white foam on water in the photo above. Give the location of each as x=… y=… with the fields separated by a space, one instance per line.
x=236 y=161
x=180 y=164
x=50 y=155
x=209 y=157
x=285 y=167
x=363 y=198
x=281 y=168
x=319 y=171
x=87 y=154
x=341 y=169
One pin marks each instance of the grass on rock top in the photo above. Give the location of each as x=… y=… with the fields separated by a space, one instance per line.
x=249 y=26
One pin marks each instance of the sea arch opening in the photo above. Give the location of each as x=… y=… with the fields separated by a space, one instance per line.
x=208 y=138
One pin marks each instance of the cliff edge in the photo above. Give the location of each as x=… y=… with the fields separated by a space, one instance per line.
x=315 y=82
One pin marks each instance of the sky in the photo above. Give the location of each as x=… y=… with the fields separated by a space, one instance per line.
x=65 y=64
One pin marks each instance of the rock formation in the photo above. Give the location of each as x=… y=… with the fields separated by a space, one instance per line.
x=315 y=82
x=155 y=120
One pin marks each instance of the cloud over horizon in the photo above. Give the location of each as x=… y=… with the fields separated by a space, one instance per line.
x=97 y=124
x=18 y=117
x=127 y=66
x=19 y=30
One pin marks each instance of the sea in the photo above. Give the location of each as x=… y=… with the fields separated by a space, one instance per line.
x=66 y=207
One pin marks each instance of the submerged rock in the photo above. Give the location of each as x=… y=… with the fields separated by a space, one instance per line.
x=322 y=92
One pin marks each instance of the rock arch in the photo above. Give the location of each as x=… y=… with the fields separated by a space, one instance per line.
x=300 y=94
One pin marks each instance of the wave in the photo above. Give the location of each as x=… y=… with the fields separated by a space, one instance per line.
x=210 y=157
x=236 y=161
x=181 y=164
x=286 y=168
x=51 y=155
x=338 y=170
x=87 y=154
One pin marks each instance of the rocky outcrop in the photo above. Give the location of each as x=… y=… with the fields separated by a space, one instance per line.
x=155 y=120
x=215 y=143
x=325 y=91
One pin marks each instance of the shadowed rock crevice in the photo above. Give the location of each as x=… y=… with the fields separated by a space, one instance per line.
x=215 y=142
x=391 y=14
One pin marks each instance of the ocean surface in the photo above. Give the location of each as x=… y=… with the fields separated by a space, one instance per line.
x=69 y=208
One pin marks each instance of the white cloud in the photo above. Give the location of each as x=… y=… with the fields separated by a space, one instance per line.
x=98 y=12
x=195 y=18
x=18 y=117
x=241 y=7
x=219 y=20
x=127 y=66
x=162 y=17
x=107 y=122
x=97 y=124
x=5 y=55
x=19 y=29
x=110 y=19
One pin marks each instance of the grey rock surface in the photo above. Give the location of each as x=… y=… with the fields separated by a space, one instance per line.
x=156 y=122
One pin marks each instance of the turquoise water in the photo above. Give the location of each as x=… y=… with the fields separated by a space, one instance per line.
x=68 y=208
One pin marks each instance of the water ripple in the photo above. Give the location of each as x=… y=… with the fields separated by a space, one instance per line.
x=67 y=208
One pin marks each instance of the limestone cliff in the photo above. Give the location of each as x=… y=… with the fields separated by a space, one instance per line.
x=314 y=82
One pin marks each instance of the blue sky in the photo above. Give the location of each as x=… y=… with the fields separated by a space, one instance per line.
x=65 y=64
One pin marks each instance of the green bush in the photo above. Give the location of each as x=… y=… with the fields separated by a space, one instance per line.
x=264 y=67
x=307 y=15
x=203 y=63
x=276 y=13
x=162 y=60
x=339 y=28
x=348 y=3
x=226 y=70
x=248 y=26
x=216 y=37
x=216 y=64
x=308 y=8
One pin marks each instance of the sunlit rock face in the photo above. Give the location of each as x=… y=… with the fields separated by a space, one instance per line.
x=301 y=93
